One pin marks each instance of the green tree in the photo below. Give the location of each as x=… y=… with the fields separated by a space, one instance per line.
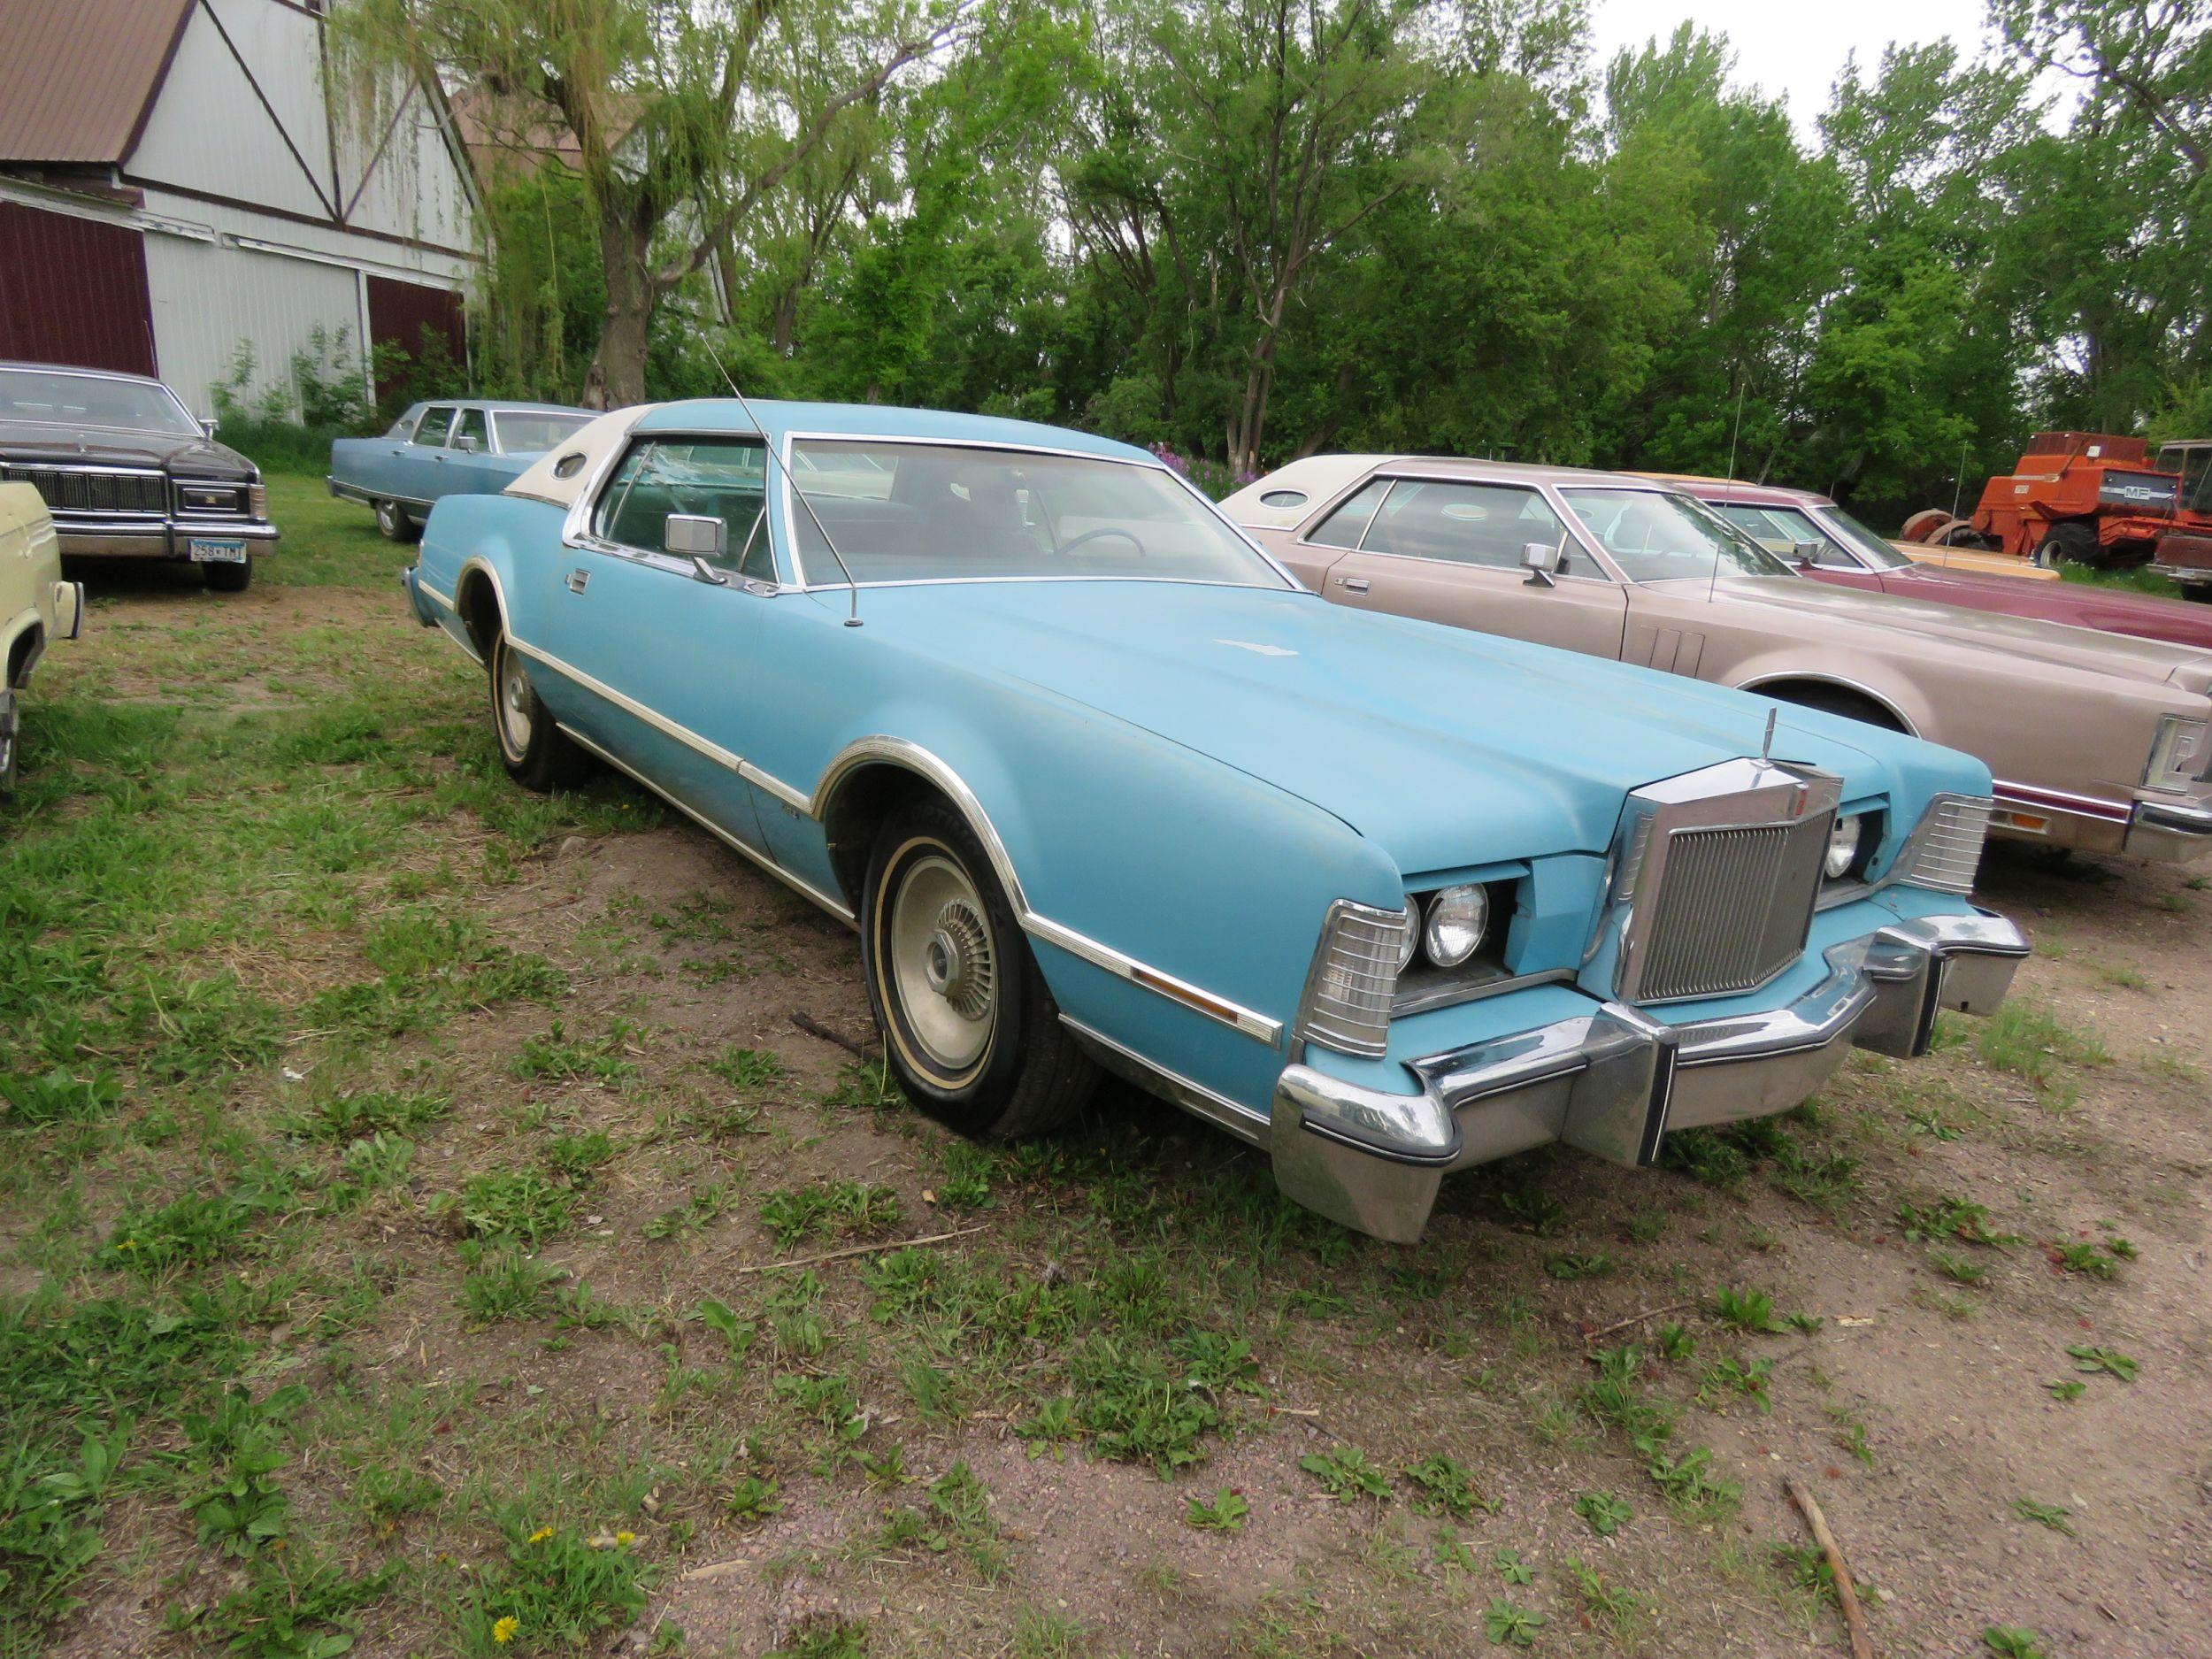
x=685 y=114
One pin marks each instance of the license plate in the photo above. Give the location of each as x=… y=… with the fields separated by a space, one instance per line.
x=206 y=552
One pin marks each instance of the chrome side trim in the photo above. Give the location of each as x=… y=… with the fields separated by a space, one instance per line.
x=1195 y=1098
x=428 y=592
x=776 y=787
x=2061 y=801
x=835 y=907
x=901 y=751
x=499 y=588
x=912 y=757
x=1244 y=1019
x=629 y=705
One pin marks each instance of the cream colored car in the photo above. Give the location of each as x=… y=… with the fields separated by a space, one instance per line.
x=2097 y=740
x=36 y=606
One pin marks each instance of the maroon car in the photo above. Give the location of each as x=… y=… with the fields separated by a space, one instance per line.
x=1796 y=523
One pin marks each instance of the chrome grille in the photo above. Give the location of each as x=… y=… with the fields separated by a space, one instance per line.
x=1947 y=848
x=1733 y=907
x=85 y=489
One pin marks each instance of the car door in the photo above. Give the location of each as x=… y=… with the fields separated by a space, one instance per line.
x=416 y=465
x=1450 y=550
x=377 y=464
x=656 y=655
x=466 y=465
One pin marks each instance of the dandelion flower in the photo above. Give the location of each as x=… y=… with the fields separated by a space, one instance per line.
x=503 y=1631
x=623 y=1541
x=541 y=1534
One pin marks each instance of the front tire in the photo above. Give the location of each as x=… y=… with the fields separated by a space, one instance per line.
x=229 y=578
x=2071 y=543
x=968 y=1026
x=10 y=741
x=394 y=524
x=537 y=754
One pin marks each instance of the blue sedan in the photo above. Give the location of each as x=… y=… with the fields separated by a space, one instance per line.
x=444 y=449
x=1103 y=790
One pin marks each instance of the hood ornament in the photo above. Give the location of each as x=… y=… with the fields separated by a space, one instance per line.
x=1766 y=744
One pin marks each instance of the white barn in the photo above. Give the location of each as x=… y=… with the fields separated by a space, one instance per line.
x=179 y=176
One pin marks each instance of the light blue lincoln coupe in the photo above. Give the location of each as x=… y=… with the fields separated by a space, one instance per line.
x=1101 y=787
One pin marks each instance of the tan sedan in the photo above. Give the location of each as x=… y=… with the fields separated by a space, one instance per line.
x=2097 y=740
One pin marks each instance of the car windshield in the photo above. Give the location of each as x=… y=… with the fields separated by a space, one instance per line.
x=1844 y=527
x=1656 y=537
x=526 y=432
x=945 y=513
x=92 y=400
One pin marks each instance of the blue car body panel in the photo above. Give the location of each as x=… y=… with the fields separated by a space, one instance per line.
x=1186 y=774
x=393 y=467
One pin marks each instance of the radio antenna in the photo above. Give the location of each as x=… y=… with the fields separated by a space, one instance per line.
x=768 y=448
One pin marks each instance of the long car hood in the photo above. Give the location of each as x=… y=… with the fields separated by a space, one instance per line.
x=191 y=455
x=1446 y=748
x=2077 y=604
x=2013 y=638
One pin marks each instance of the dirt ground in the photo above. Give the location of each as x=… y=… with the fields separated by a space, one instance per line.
x=1914 y=1395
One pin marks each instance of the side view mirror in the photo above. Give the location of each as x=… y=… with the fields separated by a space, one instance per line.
x=1541 y=560
x=467 y=444
x=1805 y=552
x=207 y=426
x=697 y=537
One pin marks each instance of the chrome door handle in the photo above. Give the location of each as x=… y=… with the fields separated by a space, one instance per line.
x=577 y=579
x=1352 y=583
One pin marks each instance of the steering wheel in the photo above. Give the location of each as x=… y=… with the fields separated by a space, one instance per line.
x=1092 y=535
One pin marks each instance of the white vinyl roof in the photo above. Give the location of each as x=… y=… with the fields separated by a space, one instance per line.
x=553 y=477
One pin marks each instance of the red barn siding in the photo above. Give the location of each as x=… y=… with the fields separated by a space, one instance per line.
x=73 y=291
x=398 y=313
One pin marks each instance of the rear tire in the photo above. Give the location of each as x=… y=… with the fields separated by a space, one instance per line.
x=2071 y=543
x=968 y=1026
x=2200 y=592
x=229 y=578
x=537 y=754
x=394 y=524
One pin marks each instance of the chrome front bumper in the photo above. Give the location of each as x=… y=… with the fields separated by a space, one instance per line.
x=2176 y=830
x=1614 y=1081
x=155 y=537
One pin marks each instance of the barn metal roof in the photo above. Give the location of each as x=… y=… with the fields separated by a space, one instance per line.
x=77 y=76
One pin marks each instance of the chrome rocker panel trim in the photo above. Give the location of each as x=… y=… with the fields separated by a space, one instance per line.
x=1614 y=1082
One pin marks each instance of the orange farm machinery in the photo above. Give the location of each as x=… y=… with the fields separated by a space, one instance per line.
x=2089 y=497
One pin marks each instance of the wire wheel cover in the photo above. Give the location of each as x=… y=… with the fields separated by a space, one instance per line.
x=943 y=966
x=513 y=702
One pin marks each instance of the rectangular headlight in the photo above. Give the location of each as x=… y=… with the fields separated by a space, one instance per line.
x=1354 y=976
x=2177 y=753
x=1946 y=848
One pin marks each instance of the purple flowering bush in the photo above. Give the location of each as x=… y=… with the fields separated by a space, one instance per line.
x=1215 y=478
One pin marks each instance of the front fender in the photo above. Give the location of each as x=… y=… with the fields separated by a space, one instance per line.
x=1874 y=680
x=1174 y=903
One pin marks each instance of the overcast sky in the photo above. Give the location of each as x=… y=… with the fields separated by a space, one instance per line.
x=1796 y=50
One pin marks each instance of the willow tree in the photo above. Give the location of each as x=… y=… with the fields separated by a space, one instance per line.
x=682 y=117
